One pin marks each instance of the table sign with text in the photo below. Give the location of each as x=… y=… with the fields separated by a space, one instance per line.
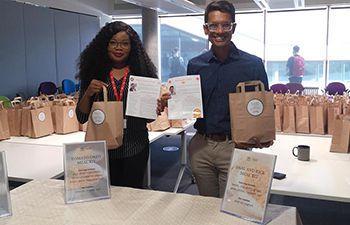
x=248 y=185
x=5 y=199
x=142 y=97
x=186 y=97
x=86 y=171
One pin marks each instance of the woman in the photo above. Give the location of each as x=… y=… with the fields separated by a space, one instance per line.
x=114 y=54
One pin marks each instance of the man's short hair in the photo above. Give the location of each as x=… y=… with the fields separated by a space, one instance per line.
x=222 y=6
x=296 y=48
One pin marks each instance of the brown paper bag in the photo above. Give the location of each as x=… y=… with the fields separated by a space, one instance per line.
x=14 y=115
x=181 y=123
x=288 y=125
x=318 y=117
x=162 y=122
x=302 y=123
x=64 y=116
x=4 y=125
x=278 y=101
x=40 y=121
x=334 y=109
x=341 y=134
x=25 y=121
x=106 y=122
x=252 y=114
x=83 y=127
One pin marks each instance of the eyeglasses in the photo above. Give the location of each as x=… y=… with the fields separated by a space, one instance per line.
x=212 y=27
x=122 y=44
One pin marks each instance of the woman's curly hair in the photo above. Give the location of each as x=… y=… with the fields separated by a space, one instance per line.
x=94 y=62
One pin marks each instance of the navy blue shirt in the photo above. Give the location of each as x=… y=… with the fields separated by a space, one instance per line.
x=218 y=79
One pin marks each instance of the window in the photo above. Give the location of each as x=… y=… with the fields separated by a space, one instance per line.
x=305 y=28
x=339 y=46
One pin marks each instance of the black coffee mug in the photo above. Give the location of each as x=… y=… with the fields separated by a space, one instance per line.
x=303 y=153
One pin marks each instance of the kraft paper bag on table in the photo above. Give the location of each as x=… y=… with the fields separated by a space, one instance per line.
x=4 y=125
x=41 y=120
x=64 y=116
x=318 y=116
x=162 y=122
x=252 y=114
x=334 y=109
x=14 y=115
x=180 y=123
x=106 y=122
x=341 y=134
x=83 y=127
x=278 y=101
x=302 y=115
x=288 y=125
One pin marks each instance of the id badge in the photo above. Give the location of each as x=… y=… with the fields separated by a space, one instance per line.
x=124 y=123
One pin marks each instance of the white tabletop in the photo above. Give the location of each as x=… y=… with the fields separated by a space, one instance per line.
x=27 y=161
x=326 y=176
x=42 y=203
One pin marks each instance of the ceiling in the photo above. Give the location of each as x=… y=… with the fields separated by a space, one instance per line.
x=122 y=8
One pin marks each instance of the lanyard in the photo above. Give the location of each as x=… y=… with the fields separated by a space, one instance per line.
x=120 y=96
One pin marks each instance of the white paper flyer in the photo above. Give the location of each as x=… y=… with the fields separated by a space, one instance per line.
x=186 y=97
x=86 y=173
x=248 y=185
x=142 y=97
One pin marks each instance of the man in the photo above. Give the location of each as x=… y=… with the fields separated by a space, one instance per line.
x=295 y=66
x=221 y=69
x=176 y=64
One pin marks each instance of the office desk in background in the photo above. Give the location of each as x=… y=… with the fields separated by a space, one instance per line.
x=42 y=203
x=326 y=176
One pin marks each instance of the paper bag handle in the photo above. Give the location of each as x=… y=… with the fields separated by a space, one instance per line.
x=259 y=86
x=105 y=98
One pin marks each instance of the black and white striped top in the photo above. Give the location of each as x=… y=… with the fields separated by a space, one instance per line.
x=135 y=137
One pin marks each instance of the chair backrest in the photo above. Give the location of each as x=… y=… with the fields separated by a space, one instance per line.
x=279 y=88
x=68 y=86
x=295 y=87
x=335 y=88
x=6 y=101
x=47 y=88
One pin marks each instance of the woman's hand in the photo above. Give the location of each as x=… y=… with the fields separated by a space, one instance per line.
x=94 y=87
x=162 y=102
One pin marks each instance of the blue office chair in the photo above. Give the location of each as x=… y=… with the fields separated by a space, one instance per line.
x=68 y=86
x=47 y=88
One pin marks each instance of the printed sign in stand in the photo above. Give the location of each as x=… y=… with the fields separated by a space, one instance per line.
x=248 y=185
x=86 y=171
x=5 y=200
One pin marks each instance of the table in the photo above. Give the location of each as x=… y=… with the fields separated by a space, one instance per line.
x=326 y=176
x=182 y=132
x=40 y=158
x=42 y=203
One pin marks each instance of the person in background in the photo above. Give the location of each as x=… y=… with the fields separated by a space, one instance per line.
x=109 y=59
x=221 y=68
x=176 y=64
x=295 y=66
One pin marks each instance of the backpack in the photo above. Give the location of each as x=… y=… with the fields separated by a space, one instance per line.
x=298 y=66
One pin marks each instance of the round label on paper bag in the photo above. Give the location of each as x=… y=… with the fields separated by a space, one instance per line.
x=70 y=113
x=41 y=116
x=98 y=116
x=255 y=107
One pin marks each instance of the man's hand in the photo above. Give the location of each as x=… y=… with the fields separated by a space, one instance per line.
x=162 y=102
x=257 y=144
